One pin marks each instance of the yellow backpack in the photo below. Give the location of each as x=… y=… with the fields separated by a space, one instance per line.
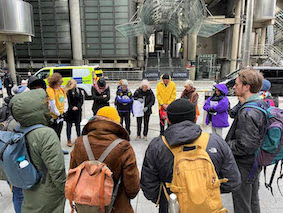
x=195 y=181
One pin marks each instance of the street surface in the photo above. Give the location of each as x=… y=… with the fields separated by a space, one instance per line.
x=269 y=204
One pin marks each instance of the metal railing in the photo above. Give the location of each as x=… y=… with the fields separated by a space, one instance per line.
x=118 y=75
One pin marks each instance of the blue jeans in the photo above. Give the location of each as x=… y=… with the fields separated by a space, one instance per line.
x=18 y=198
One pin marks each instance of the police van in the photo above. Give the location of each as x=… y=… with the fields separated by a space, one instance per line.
x=84 y=75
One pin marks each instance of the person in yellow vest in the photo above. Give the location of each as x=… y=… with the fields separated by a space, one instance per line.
x=166 y=94
x=57 y=101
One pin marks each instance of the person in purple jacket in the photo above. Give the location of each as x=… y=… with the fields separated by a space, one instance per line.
x=217 y=109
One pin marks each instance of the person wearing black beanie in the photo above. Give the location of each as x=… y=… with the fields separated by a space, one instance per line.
x=179 y=143
x=181 y=110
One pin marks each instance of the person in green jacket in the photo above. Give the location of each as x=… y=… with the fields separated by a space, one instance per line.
x=47 y=196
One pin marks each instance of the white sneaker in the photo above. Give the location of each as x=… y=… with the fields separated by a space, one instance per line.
x=145 y=138
x=138 y=138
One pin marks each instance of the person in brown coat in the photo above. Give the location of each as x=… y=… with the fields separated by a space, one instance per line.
x=102 y=130
x=190 y=94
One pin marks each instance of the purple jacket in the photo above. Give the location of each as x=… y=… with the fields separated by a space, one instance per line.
x=219 y=120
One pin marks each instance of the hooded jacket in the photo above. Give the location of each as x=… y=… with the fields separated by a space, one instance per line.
x=121 y=161
x=45 y=153
x=165 y=94
x=247 y=132
x=219 y=117
x=158 y=162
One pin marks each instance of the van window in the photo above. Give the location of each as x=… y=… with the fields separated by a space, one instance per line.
x=84 y=72
x=43 y=74
x=66 y=73
x=269 y=73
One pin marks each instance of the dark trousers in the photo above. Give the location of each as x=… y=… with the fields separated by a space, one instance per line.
x=145 y=121
x=162 y=126
x=57 y=128
x=69 y=129
x=125 y=116
x=9 y=91
x=246 y=199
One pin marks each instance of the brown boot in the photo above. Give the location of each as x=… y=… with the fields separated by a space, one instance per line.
x=69 y=144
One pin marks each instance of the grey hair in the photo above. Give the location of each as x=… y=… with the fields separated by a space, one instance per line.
x=190 y=83
x=145 y=82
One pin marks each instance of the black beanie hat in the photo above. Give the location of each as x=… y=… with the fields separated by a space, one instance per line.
x=166 y=76
x=101 y=82
x=181 y=110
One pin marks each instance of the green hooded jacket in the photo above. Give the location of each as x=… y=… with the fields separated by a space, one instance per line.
x=48 y=196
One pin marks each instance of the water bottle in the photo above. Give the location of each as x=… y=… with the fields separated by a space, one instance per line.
x=173 y=206
x=22 y=162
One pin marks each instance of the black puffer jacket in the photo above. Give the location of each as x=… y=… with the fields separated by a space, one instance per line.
x=158 y=161
x=148 y=96
x=247 y=132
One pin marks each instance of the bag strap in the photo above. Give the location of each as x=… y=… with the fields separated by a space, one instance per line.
x=106 y=151
x=88 y=148
x=269 y=185
x=280 y=177
x=109 y=149
x=26 y=130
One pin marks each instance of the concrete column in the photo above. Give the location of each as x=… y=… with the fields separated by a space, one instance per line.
x=193 y=54
x=140 y=51
x=256 y=42
x=248 y=33
x=11 y=60
x=76 y=32
x=140 y=42
x=235 y=41
x=262 y=40
x=185 y=50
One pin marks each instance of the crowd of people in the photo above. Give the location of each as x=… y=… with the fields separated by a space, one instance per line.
x=230 y=159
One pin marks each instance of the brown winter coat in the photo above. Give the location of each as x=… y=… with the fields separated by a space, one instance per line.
x=121 y=161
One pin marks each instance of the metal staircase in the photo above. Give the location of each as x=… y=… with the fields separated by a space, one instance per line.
x=278 y=28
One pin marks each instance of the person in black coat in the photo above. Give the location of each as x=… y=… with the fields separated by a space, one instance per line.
x=145 y=95
x=100 y=95
x=124 y=102
x=159 y=161
x=74 y=113
x=8 y=83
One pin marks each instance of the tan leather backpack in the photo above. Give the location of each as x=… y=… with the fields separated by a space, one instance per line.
x=90 y=185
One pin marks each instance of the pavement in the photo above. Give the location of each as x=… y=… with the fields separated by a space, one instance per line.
x=269 y=203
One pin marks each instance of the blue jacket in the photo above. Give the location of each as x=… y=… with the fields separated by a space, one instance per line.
x=124 y=100
x=218 y=114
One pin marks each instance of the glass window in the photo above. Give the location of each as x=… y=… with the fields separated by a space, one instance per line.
x=66 y=73
x=80 y=72
x=280 y=73
x=269 y=73
x=43 y=74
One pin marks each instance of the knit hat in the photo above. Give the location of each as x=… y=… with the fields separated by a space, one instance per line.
x=109 y=112
x=101 y=82
x=19 y=89
x=181 y=110
x=34 y=82
x=266 y=85
x=166 y=76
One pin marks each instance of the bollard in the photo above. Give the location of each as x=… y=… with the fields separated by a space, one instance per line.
x=207 y=94
x=1 y=94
